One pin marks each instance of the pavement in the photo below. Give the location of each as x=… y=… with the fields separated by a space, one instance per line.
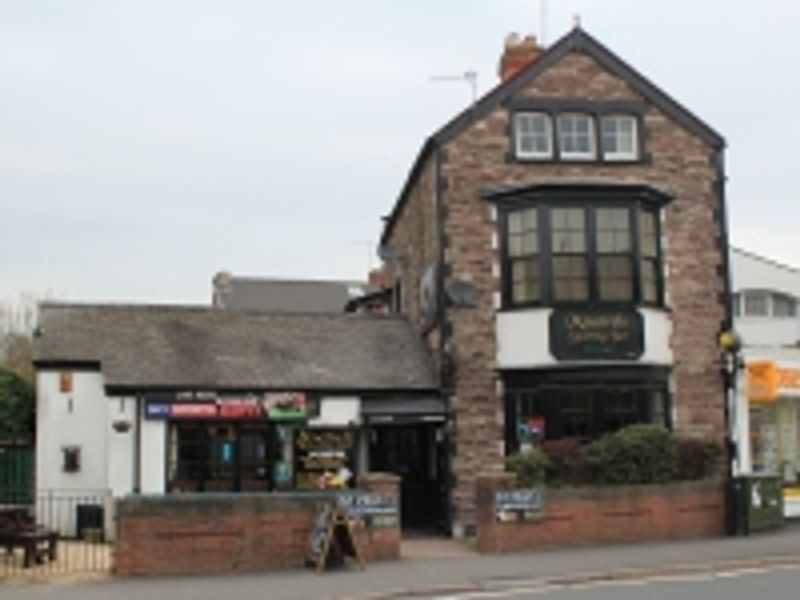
x=444 y=568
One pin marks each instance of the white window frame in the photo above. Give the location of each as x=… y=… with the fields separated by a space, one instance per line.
x=617 y=155
x=518 y=133
x=573 y=155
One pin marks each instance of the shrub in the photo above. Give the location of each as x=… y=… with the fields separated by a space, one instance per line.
x=697 y=458
x=566 y=462
x=635 y=454
x=530 y=467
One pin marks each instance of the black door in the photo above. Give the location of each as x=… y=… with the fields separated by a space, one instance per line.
x=413 y=453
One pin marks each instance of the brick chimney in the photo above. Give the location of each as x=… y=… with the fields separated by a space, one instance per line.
x=518 y=54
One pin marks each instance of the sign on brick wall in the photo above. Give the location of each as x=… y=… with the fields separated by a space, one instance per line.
x=512 y=506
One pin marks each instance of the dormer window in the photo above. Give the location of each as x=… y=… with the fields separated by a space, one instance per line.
x=534 y=137
x=576 y=136
x=619 y=137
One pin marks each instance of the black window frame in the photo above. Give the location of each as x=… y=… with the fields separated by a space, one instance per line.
x=596 y=110
x=589 y=198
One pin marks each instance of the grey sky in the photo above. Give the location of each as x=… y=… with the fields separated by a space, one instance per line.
x=146 y=145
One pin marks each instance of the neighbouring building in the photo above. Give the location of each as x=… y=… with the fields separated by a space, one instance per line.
x=765 y=300
x=561 y=248
x=235 y=292
x=170 y=399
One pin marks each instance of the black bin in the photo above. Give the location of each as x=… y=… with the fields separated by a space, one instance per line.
x=89 y=517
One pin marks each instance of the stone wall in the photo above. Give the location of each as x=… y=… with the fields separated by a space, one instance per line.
x=679 y=164
x=595 y=515
x=222 y=533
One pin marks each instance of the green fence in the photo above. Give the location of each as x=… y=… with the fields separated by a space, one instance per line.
x=16 y=474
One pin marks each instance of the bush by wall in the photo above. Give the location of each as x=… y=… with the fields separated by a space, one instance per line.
x=637 y=454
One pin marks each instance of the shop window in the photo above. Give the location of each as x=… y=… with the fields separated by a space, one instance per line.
x=582 y=412
x=590 y=253
x=71 y=459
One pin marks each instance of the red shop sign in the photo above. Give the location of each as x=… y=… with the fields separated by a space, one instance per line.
x=191 y=409
x=240 y=409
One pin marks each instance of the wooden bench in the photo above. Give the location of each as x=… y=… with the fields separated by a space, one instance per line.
x=17 y=530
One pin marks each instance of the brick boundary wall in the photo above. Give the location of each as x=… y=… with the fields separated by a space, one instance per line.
x=199 y=534
x=587 y=515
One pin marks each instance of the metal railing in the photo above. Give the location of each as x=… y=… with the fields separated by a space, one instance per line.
x=55 y=532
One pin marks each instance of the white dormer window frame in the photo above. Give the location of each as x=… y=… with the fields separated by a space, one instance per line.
x=533 y=135
x=620 y=137
x=576 y=136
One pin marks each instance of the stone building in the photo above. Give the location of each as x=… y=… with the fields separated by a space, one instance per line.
x=561 y=247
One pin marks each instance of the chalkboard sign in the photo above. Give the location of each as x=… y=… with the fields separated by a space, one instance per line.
x=518 y=505
x=596 y=334
x=331 y=539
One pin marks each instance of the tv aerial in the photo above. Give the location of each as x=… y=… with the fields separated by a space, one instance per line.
x=471 y=77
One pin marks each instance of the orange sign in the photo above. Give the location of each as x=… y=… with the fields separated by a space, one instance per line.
x=762 y=381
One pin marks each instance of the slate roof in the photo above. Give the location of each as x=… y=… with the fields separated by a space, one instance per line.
x=151 y=346
x=283 y=295
x=576 y=40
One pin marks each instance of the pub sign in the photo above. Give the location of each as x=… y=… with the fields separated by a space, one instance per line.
x=596 y=334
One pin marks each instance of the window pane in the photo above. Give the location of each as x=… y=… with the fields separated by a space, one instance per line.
x=523 y=236
x=755 y=304
x=619 y=137
x=525 y=281
x=568 y=230
x=570 y=278
x=649 y=280
x=782 y=306
x=613 y=230
x=533 y=135
x=576 y=136
x=615 y=278
x=648 y=240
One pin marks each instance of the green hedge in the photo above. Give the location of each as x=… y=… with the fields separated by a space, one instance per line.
x=636 y=454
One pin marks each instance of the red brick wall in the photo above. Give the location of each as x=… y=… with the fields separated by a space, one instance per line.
x=222 y=533
x=603 y=515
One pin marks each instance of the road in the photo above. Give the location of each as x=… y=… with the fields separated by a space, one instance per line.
x=777 y=583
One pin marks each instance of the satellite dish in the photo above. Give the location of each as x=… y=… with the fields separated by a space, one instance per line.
x=461 y=293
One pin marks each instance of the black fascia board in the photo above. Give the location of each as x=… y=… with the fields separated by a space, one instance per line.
x=578 y=191
x=67 y=364
x=575 y=40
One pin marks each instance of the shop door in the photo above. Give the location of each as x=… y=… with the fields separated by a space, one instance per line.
x=414 y=453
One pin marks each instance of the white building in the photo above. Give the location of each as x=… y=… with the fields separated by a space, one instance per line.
x=765 y=300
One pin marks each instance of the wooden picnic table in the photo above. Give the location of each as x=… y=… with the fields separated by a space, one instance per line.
x=18 y=530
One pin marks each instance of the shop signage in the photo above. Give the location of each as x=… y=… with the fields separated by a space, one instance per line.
x=766 y=380
x=285 y=406
x=596 y=334
x=371 y=509
x=518 y=505
x=210 y=405
x=323 y=458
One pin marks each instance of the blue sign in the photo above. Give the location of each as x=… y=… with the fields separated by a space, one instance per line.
x=157 y=410
x=515 y=500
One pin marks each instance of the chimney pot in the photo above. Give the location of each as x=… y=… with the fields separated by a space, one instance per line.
x=518 y=54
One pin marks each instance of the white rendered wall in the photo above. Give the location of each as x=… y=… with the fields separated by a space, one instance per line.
x=337 y=412
x=78 y=418
x=523 y=338
x=121 y=446
x=153 y=466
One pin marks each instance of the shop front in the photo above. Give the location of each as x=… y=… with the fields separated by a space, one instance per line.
x=774 y=397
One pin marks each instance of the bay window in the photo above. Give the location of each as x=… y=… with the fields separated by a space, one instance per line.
x=565 y=249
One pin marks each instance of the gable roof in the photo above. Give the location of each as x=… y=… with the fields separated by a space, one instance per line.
x=151 y=346
x=576 y=40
